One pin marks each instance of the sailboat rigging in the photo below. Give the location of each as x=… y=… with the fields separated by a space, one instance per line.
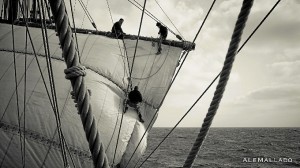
x=52 y=122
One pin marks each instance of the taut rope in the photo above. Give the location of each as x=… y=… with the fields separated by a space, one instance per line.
x=232 y=50
x=81 y=94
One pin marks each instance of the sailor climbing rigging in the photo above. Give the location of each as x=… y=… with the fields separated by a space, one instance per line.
x=116 y=30
x=163 y=32
x=134 y=98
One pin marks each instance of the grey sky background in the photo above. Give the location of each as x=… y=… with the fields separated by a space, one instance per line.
x=263 y=90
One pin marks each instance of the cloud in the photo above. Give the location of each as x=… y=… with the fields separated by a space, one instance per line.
x=272 y=96
x=289 y=70
x=265 y=75
x=279 y=30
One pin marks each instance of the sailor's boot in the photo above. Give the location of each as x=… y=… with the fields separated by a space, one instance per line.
x=141 y=119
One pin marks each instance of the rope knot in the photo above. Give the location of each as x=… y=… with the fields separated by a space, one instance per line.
x=75 y=71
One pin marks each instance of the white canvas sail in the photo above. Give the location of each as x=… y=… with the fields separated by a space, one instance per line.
x=107 y=78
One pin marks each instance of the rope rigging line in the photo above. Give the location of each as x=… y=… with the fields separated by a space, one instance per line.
x=16 y=86
x=181 y=119
x=74 y=28
x=169 y=19
x=6 y=151
x=127 y=59
x=244 y=43
x=216 y=76
x=225 y=73
x=148 y=56
x=137 y=40
x=75 y=73
x=38 y=64
x=125 y=50
x=214 y=79
x=48 y=60
x=6 y=108
x=154 y=107
x=112 y=21
x=261 y=22
x=48 y=10
x=131 y=69
x=25 y=86
x=2 y=6
x=41 y=72
x=186 y=54
x=207 y=88
x=52 y=139
x=119 y=132
x=8 y=67
x=151 y=75
x=146 y=11
x=69 y=152
x=84 y=7
x=154 y=18
x=175 y=75
x=51 y=80
x=113 y=133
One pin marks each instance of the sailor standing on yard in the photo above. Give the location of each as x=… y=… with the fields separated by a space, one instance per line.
x=163 y=32
x=116 y=30
x=134 y=98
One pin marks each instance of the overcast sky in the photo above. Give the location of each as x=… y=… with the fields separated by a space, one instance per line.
x=263 y=89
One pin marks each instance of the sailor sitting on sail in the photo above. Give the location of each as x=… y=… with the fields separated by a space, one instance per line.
x=116 y=30
x=163 y=32
x=134 y=98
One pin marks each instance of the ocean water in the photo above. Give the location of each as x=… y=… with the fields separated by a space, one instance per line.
x=226 y=147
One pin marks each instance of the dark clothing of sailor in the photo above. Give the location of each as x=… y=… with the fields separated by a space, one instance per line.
x=117 y=29
x=135 y=96
x=163 y=31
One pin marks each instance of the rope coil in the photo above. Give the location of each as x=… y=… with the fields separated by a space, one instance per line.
x=75 y=71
